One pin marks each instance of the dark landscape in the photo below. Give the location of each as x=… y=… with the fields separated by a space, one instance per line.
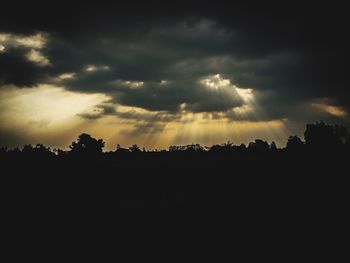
x=310 y=174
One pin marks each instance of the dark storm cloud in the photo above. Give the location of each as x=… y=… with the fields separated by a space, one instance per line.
x=293 y=52
x=170 y=96
x=16 y=69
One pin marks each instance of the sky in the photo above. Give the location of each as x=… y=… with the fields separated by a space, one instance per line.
x=161 y=74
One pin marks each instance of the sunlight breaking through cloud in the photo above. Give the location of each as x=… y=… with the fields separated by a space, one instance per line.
x=36 y=57
x=24 y=106
x=215 y=82
x=93 y=68
x=36 y=41
x=67 y=76
x=331 y=109
x=246 y=94
x=219 y=84
x=34 y=44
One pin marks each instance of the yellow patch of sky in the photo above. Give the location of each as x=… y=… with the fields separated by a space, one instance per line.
x=214 y=131
x=190 y=128
x=46 y=102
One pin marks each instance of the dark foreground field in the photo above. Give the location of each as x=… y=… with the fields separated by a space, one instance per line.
x=276 y=203
x=276 y=181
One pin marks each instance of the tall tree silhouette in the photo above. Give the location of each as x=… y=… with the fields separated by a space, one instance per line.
x=86 y=144
x=294 y=143
x=259 y=146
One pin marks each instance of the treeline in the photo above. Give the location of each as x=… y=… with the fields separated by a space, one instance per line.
x=308 y=173
x=318 y=137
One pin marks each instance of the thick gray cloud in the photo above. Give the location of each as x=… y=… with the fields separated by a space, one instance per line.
x=157 y=61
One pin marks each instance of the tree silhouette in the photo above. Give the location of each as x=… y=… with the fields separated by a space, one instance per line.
x=321 y=135
x=342 y=134
x=259 y=146
x=225 y=147
x=40 y=148
x=294 y=143
x=86 y=144
x=37 y=150
x=27 y=149
x=186 y=148
x=134 y=148
x=273 y=146
x=194 y=148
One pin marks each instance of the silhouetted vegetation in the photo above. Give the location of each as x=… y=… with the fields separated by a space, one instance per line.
x=86 y=145
x=188 y=175
x=323 y=136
